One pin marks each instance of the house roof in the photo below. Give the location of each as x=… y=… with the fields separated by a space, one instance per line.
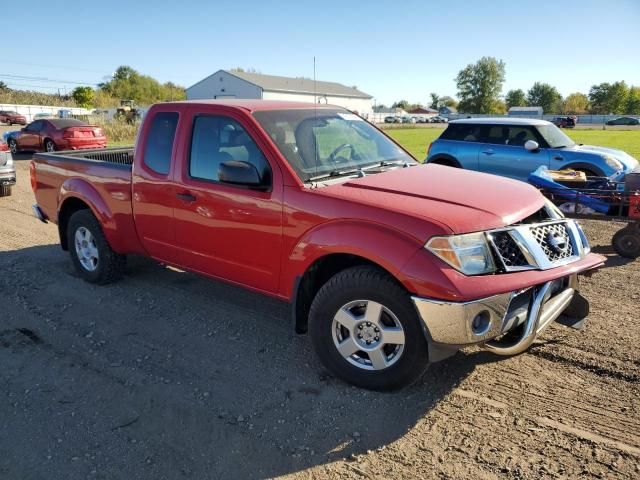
x=256 y=105
x=274 y=83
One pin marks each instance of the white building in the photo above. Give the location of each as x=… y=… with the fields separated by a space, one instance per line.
x=233 y=84
x=525 y=112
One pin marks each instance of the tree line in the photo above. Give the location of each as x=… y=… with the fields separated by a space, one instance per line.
x=480 y=91
x=125 y=84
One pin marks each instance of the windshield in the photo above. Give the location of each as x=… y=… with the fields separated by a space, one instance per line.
x=327 y=142
x=554 y=136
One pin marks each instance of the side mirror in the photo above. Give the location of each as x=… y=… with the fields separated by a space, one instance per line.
x=237 y=172
x=531 y=146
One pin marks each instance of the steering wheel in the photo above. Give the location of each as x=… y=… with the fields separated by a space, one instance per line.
x=334 y=154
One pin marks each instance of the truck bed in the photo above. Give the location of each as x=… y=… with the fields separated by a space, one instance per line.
x=116 y=156
x=101 y=178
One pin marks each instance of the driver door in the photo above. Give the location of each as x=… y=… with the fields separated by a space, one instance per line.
x=228 y=231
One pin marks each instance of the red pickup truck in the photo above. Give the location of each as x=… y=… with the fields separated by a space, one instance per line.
x=388 y=264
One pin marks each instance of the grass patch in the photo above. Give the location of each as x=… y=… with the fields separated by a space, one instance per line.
x=417 y=140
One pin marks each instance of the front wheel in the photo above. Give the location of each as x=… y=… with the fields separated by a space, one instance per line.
x=90 y=252
x=13 y=146
x=366 y=331
x=5 y=190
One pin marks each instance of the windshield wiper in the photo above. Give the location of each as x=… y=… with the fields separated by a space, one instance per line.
x=334 y=174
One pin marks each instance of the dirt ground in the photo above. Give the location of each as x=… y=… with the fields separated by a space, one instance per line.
x=166 y=375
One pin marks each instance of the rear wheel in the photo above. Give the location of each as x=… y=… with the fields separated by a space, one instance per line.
x=13 y=146
x=366 y=331
x=90 y=252
x=49 y=146
x=626 y=242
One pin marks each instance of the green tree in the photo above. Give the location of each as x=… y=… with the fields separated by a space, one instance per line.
x=633 y=101
x=576 y=104
x=545 y=96
x=515 y=98
x=4 y=87
x=609 y=97
x=127 y=83
x=83 y=96
x=403 y=104
x=435 y=101
x=479 y=85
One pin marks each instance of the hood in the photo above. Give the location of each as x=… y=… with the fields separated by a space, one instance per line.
x=463 y=200
x=627 y=160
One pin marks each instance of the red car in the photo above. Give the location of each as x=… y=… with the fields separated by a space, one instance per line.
x=10 y=117
x=53 y=134
x=388 y=264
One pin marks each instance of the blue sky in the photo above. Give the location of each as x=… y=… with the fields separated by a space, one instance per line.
x=390 y=49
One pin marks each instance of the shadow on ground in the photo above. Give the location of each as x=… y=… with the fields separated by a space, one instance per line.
x=169 y=375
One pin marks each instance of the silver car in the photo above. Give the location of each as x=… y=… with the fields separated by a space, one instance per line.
x=7 y=173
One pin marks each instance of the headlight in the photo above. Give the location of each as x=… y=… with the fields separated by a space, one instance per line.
x=613 y=162
x=554 y=212
x=469 y=253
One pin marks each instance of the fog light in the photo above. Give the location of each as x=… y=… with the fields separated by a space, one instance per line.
x=481 y=323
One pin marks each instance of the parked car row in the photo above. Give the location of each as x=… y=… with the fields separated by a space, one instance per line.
x=386 y=263
x=414 y=119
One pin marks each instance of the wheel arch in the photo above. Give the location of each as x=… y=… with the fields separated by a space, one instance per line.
x=307 y=285
x=444 y=159
x=77 y=194
x=585 y=166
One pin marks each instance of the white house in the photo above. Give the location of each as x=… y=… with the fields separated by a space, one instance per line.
x=233 y=84
x=525 y=112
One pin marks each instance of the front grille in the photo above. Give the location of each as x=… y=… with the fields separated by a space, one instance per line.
x=508 y=250
x=554 y=240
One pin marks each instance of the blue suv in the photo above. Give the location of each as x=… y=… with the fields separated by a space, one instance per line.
x=515 y=147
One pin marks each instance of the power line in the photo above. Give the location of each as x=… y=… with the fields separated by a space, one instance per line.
x=43 y=79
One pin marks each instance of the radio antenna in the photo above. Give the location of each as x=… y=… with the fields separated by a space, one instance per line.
x=315 y=118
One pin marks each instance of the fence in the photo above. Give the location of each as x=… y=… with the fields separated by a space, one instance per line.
x=30 y=110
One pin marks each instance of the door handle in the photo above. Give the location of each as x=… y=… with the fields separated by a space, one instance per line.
x=186 y=197
x=488 y=152
x=558 y=157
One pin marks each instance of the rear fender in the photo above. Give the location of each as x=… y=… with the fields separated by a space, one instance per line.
x=82 y=190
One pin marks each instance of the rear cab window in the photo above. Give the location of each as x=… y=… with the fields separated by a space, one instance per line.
x=463 y=133
x=160 y=138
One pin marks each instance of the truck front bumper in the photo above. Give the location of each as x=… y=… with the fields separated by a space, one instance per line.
x=458 y=324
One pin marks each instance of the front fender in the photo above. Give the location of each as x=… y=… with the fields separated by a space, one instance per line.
x=380 y=244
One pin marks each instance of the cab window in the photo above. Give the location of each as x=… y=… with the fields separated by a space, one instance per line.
x=160 y=137
x=217 y=139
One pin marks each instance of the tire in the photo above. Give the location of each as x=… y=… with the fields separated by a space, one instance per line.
x=445 y=162
x=49 y=146
x=95 y=261
x=5 y=191
x=626 y=242
x=351 y=295
x=13 y=146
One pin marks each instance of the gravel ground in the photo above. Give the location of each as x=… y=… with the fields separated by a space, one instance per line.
x=167 y=375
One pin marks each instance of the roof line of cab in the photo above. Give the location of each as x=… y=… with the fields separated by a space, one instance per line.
x=253 y=105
